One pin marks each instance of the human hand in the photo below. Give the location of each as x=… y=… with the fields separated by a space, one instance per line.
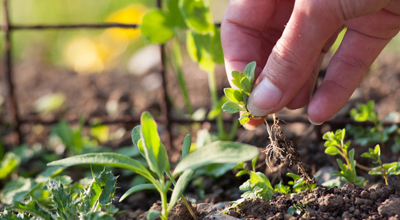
x=288 y=39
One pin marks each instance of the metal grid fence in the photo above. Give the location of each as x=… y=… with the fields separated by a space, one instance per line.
x=12 y=105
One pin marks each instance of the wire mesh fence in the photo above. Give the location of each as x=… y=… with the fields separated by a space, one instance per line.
x=16 y=120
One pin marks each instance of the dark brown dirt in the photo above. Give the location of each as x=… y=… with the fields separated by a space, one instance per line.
x=349 y=202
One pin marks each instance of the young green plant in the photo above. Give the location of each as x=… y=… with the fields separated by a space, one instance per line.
x=146 y=138
x=335 y=145
x=383 y=169
x=238 y=97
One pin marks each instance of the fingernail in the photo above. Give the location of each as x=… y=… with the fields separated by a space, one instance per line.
x=264 y=98
x=312 y=122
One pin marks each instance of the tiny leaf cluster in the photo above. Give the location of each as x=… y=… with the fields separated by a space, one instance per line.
x=238 y=98
x=335 y=145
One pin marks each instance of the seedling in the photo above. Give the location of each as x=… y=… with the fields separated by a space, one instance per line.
x=238 y=97
x=377 y=134
x=335 y=145
x=383 y=169
x=146 y=138
x=299 y=184
x=94 y=202
x=297 y=208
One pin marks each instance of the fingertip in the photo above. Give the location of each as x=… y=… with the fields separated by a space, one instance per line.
x=253 y=123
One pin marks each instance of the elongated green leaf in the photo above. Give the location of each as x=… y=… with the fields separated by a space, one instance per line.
x=108 y=181
x=332 y=150
x=175 y=17
x=217 y=152
x=180 y=187
x=137 y=188
x=136 y=135
x=153 y=214
x=32 y=208
x=16 y=190
x=156 y=154
x=199 y=49
x=234 y=95
x=187 y=142
x=241 y=173
x=156 y=26
x=48 y=173
x=196 y=15
x=108 y=158
x=259 y=177
x=217 y=52
x=249 y=71
x=377 y=150
x=231 y=107
x=246 y=85
x=62 y=200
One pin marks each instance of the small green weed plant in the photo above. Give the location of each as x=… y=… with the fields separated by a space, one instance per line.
x=383 y=169
x=68 y=202
x=334 y=143
x=145 y=137
x=377 y=134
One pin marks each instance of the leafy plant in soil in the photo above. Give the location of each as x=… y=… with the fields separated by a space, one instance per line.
x=378 y=134
x=67 y=203
x=146 y=138
x=335 y=145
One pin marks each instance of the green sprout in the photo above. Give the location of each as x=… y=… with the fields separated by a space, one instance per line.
x=383 y=169
x=335 y=145
x=238 y=97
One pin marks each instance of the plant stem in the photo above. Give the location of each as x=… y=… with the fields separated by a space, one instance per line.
x=164 y=205
x=177 y=58
x=363 y=167
x=169 y=174
x=212 y=85
x=384 y=173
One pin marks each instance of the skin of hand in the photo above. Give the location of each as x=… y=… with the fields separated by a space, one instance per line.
x=289 y=39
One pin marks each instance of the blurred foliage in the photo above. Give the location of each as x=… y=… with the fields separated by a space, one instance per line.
x=83 y=50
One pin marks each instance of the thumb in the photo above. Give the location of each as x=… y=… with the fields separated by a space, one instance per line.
x=289 y=68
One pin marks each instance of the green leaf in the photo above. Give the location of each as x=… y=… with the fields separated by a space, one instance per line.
x=156 y=154
x=175 y=17
x=217 y=52
x=245 y=117
x=137 y=188
x=231 y=107
x=241 y=173
x=196 y=15
x=16 y=190
x=217 y=152
x=136 y=135
x=249 y=71
x=199 y=47
x=48 y=173
x=367 y=155
x=152 y=214
x=108 y=158
x=62 y=200
x=32 y=208
x=351 y=158
x=97 y=216
x=377 y=150
x=156 y=26
x=180 y=187
x=237 y=77
x=187 y=142
x=253 y=163
x=246 y=85
x=234 y=95
x=108 y=181
x=9 y=163
x=256 y=177
x=332 y=150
